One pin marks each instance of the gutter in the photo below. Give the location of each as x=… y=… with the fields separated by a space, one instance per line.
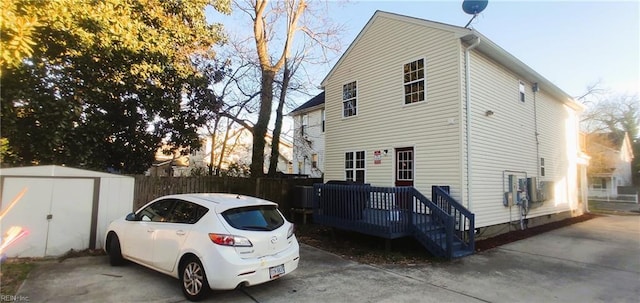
x=467 y=80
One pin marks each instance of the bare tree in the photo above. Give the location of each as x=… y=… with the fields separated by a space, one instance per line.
x=275 y=25
x=612 y=114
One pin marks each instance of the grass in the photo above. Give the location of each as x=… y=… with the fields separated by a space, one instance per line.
x=12 y=273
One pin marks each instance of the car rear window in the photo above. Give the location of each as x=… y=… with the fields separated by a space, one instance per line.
x=261 y=218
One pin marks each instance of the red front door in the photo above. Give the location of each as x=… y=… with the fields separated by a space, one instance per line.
x=404 y=166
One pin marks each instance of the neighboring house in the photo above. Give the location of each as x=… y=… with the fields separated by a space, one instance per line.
x=169 y=165
x=238 y=151
x=610 y=166
x=419 y=103
x=308 y=138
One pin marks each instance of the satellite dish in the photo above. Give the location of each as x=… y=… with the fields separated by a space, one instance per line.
x=474 y=7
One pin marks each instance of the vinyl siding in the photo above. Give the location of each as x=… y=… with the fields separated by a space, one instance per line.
x=501 y=144
x=505 y=143
x=303 y=149
x=383 y=121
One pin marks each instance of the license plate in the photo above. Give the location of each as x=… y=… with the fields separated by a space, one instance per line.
x=276 y=271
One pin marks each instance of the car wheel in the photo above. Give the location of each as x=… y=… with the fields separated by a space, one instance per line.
x=115 y=254
x=193 y=279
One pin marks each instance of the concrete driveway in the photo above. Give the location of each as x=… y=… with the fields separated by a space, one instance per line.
x=593 y=261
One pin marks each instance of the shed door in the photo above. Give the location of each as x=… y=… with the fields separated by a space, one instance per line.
x=404 y=166
x=55 y=212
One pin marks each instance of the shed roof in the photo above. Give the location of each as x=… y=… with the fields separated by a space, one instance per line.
x=55 y=171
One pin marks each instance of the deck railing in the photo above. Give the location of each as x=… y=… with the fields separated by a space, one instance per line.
x=363 y=208
x=433 y=227
x=442 y=225
x=464 y=220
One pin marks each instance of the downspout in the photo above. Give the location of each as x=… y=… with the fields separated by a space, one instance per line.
x=535 y=89
x=467 y=79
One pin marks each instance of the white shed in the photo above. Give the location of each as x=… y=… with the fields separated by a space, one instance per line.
x=63 y=208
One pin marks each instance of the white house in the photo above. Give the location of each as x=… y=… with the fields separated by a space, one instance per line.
x=308 y=138
x=421 y=103
x=610 y=166
x=237 y=150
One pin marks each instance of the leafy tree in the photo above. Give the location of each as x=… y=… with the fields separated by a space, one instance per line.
x=106 y=80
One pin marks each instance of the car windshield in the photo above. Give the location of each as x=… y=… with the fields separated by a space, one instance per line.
x=261 y=218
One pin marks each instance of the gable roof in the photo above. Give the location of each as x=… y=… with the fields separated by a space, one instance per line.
x=310 y=105
x=611 y=140
x=486 y=46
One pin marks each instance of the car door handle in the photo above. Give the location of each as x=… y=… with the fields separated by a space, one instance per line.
x=180 y=232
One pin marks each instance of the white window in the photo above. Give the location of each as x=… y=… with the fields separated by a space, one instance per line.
x=349 y=99
x=404 y=165
x=304 y=122
x=414 y=82
x=542 y=172
x=354 y=166
x=314 y=161
x=323 y=120
x=521 y=88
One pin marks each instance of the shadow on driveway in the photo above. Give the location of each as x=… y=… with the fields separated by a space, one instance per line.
x=593 y=261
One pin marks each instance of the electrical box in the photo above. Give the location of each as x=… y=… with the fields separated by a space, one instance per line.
x=511 y=196
x=532 y=189
x=545 y=190
x=508 y=199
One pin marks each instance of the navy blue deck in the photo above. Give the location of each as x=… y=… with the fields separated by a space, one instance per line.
x=443 y=226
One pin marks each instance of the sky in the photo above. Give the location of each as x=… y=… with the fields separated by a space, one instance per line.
x=571 y=43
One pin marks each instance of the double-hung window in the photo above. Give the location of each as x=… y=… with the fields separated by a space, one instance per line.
x=304 y=123
x=349 y=99
x=354 y=166
x=414 y=82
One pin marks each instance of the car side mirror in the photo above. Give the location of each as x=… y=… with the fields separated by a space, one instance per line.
x=131 y=217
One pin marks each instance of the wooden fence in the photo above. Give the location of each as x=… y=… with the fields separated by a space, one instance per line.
x=281 y=191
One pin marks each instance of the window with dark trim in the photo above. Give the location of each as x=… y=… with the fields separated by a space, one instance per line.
x=354 y=166
x=159 y=211
x=414 y=83
x=349 y=99
x=187 y=212
x=304 y=122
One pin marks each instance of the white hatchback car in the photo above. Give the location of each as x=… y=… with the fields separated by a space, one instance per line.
x=208 y=241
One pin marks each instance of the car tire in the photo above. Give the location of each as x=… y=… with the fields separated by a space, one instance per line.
x=115 y=253
x=193 y=279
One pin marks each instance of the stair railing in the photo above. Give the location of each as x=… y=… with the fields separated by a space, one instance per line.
x=463 y=219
